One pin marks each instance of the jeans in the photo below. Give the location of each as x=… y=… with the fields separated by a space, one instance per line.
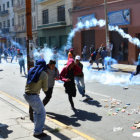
x=39 y=112
x=80 y=84
x=22 y=66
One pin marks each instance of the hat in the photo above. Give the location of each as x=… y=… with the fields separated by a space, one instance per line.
x=77 y=57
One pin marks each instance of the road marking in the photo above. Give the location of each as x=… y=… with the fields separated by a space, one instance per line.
x=53 y=120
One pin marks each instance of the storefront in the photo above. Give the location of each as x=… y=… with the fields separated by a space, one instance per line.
x=53 y=37
x=124 y=14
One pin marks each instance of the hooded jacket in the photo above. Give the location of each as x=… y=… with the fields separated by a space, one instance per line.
x=77 y=70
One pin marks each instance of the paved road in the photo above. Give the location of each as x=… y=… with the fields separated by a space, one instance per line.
x=94 y=117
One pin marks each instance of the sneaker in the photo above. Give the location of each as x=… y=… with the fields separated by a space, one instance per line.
x=40 y=135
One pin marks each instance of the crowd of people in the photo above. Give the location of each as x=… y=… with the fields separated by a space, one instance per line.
x=43 y=76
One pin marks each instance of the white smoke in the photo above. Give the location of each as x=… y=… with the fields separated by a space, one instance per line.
x=101 y=23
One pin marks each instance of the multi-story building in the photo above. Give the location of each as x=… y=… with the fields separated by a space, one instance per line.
x=54 y=22
x=6 y=21
x=20 y=21
x=123 y=13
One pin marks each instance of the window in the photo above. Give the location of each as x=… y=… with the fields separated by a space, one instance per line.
x=22 y=20
x=8 y=23
x=0 y=8
x=45 y=17
x=13 y=22
x=3 y=7
x=8 y=4
x=12 y=2
x=4 y=24
x=19 y=20
x=61 y=13
x=0 y=25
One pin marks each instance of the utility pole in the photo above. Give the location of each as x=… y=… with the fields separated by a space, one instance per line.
x=106 y=27
x=29 y=34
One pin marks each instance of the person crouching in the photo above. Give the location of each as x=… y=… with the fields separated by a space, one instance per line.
x=37 y=80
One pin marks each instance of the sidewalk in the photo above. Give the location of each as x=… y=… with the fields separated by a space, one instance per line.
x=119 y=67
x=15 y=124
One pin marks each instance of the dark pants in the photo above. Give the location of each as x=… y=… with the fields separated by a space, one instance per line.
x=137 y=70
x=70 y=89
x=135 y=73
x=45 y=101
x=48 y=96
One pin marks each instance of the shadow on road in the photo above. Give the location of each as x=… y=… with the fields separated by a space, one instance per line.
x=91 y=101
x=4 y=132
x=56 y=133
x=73 y=120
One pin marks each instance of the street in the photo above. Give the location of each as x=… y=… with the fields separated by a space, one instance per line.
x=99 y=115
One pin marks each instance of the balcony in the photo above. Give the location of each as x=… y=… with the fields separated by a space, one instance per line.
x=43 y=1
x=18 y=7
x=20 y=28
x=4 y=13
x=5 y=30
x=52 y=25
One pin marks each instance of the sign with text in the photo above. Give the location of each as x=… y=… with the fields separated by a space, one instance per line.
x=83 y=19
x=121 y=17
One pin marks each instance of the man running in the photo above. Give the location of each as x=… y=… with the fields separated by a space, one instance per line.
x=53 y=75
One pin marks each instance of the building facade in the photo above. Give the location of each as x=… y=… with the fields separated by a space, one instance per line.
x=6 y=22
x=20 y=21
x=123 y=13
x=54 y=22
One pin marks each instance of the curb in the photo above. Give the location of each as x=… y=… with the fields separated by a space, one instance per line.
x=53 y=120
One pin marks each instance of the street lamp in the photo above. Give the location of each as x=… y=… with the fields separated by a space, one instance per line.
x=106 y=27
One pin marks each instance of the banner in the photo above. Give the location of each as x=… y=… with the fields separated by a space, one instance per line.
x=83 y=19
x=121 y=17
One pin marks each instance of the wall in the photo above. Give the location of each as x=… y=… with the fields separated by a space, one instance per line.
x=98 y=10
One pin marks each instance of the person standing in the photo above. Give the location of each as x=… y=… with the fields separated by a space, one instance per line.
x=5 y=54
x=0 y=52
x=110 y=49
x=70 y=54
x=37 y=80
x=137 y=69
x=21 y=63
x=84 y=52
x=53 y=75
x=79 y=79
x=103 y=56
x=93 y=58
x=55 y=57
x=67 y=75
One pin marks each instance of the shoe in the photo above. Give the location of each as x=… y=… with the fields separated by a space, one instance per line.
x=83 y=95
x=40 y=135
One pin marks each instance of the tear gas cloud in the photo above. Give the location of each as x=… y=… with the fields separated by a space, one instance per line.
x=104 y=77
x=101 y=23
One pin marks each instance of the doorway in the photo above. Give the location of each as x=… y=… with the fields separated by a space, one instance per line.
x=88 y=40
x=120 y=46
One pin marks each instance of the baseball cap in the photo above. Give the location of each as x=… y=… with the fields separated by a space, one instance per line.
x=77 y=57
